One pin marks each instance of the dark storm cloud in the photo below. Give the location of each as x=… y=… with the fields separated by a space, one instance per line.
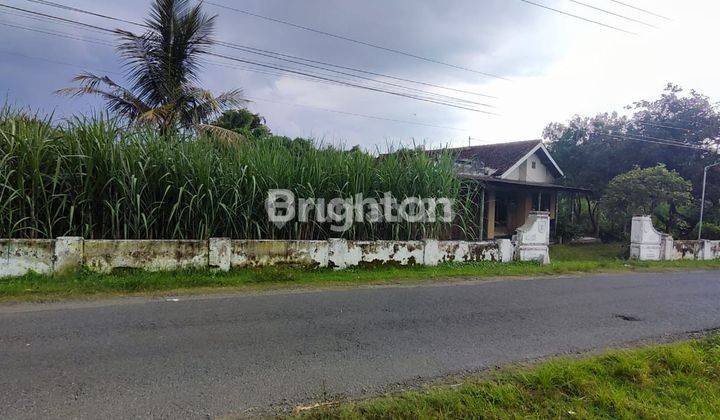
x=494 y=36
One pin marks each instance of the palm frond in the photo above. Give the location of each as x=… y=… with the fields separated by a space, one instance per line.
x=222 y=134
x=162 y=66
x=118 y=99
x=203 y=105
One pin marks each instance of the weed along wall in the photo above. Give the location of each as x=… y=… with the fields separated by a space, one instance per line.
x=21 y=256
x=647 y=244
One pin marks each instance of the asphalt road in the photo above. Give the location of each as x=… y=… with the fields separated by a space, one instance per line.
x=215 y=356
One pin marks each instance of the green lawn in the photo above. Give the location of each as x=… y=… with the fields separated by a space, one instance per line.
x=680 y=380
x=566 y=259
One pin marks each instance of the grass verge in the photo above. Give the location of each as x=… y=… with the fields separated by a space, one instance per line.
x=566 y=260
x=680 y=380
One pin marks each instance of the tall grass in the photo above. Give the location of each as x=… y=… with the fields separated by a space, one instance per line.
x=92 y=177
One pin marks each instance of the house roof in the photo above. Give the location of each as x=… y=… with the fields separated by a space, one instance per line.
x=499 y=156
x=524 y=184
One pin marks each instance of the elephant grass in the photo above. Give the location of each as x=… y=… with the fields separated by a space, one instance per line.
x=94 y=177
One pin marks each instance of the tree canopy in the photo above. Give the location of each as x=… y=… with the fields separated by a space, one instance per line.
x=650 y=191
x=593 y=150
x=243 y=122
x=163 y=66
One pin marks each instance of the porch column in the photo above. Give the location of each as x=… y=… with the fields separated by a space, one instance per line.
x=528 y=207
x=490 y=214
x=481 y=234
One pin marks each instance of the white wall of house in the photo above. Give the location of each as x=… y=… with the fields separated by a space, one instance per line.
x=532 y=170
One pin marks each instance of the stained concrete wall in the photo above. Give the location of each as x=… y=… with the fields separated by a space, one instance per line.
x=68 y=253
x=20 y=256
x=647 y=244
x=261 y=253
x=152 y=255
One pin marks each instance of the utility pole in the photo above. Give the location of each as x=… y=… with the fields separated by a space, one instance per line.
x=702 y=200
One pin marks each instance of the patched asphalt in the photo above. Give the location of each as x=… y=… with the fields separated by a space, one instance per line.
x=213 y=356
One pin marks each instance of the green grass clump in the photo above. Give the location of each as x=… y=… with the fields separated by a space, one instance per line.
x=680 y=380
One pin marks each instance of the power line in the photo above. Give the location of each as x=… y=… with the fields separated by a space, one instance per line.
x=62 y=63
x=614 y=14
x=254 y=50
x=578 y=17
x=641 y=10
x=371 y=73
x=358 y=115
x=659 y=139
x=58 y=18
x=356 y=41
x=42 y=19
x=656 y=138
x=363 y=77
x=344 y=83
x=336 y=111
x=87 y=12
x=107 y=44
x=59 y=34
x=351 y=84
x=643 y=139
x=660 y=125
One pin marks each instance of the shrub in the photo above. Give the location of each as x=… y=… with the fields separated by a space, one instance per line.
x=710 y=231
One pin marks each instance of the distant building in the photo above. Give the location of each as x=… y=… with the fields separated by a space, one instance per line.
x=518 y=178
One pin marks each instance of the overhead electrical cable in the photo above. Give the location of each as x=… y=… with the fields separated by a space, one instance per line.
x=613 y=14
x=336 y=111
x=352 y=84
x=344 y=83
x=49 y=60
x=364 y=78
x=369 y=72
x=641 y=10
x=353 y=40
x=62 y=35
x=661 y=125
x=642 y=139
x=253 y=49
x=87 y=12
x=358 y=115
x=578 y=17
x=44 y=19
x=108 y=44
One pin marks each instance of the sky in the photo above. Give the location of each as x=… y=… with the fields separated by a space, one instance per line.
x=552 y=66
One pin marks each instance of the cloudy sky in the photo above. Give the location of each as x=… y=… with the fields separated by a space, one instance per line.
x=555 y=65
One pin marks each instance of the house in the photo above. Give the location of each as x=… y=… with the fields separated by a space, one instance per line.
x=516 y=178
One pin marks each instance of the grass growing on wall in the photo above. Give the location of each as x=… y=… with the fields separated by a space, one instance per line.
x=93 y=178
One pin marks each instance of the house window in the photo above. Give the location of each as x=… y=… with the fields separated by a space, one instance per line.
x=533 y=164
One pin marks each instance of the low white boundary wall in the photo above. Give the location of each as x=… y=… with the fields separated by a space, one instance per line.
x=20 y=256
x=647 y=244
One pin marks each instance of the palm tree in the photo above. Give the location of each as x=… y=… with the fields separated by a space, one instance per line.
x=162 y=68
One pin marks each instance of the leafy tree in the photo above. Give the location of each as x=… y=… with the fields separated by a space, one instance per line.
x=594 y=150
x=654 y=191
x=163 y=67
x=243 y=122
